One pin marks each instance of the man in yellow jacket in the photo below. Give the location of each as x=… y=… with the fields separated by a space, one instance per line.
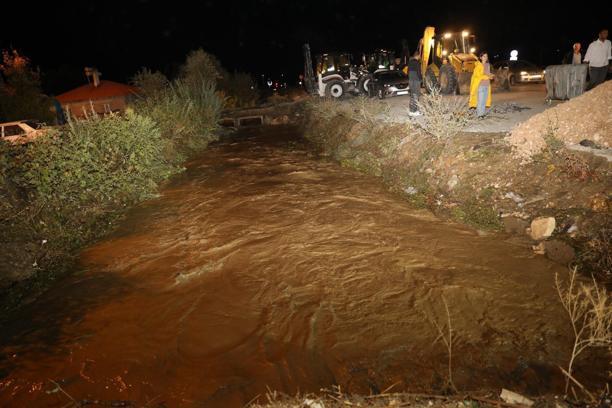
x=480 y=87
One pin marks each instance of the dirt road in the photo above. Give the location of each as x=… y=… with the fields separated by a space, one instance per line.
x=530 y=96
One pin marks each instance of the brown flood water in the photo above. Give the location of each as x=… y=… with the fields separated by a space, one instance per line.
x=265 y=266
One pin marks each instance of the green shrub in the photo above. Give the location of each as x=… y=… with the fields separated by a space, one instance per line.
x=186 y=114
x=150 y=83
x=83 y=174
x=201 y=66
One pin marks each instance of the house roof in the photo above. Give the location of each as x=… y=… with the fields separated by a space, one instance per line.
x=106 y=89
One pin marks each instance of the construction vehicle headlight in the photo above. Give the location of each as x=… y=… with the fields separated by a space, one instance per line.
x=473 y=49
x=444 y=52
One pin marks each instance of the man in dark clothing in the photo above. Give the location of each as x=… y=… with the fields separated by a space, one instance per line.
x=414 y=80
x=574 y=57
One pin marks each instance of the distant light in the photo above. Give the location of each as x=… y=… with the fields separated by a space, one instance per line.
x=513 y=55
x=269 y=83
x=381 y=66
x=465 y=34
x=473 y=50
x=330 y=69
x=447 y=35
x=444 y=52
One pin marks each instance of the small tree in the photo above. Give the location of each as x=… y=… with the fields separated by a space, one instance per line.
x=201 y=66
x=21 y=96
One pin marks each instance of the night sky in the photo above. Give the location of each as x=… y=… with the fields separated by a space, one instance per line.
x=265 y=36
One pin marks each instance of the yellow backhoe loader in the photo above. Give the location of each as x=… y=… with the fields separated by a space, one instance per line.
x=448 y=60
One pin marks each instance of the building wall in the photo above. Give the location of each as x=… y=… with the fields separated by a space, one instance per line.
x=83 y=109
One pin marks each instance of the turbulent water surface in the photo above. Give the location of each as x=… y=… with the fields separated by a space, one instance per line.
x=266 y=266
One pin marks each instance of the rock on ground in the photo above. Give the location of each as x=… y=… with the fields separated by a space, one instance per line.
x=542 y=228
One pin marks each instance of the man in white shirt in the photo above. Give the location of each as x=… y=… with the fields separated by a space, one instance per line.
x=598 y=56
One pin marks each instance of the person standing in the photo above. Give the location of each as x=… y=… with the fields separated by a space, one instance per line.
x=574 y=57
x=415 y=77
x=598 y=56
x=480 y=86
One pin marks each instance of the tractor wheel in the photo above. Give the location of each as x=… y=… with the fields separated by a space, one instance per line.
x=363 y=84
x=431 y=80
x=335 y=89
x=448 y=80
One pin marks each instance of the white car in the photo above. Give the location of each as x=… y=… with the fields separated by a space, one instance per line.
x=21 y=132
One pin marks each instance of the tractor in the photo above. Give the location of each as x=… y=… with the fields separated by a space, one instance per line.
x=377 y=61
x=335 y=74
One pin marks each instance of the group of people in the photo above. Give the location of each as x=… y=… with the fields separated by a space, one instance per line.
x=480 y=86
x=598 y=57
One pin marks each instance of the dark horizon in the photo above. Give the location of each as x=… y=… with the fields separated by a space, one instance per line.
x=266 y=36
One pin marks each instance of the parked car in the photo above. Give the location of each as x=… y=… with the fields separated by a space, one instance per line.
x=521 y=71
x=21 y=132
x=389 y=83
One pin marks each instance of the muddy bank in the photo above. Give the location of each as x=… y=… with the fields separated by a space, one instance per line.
x=265 y=266
x=475 y=178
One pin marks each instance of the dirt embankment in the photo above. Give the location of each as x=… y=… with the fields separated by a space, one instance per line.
x=477 y=179
x=588 y=116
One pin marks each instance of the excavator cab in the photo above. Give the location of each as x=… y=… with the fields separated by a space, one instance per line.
x=335 y=74
x=447 y=60
x=378 y=60
x=334 y=64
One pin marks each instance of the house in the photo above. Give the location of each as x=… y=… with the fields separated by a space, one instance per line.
x=100 y=96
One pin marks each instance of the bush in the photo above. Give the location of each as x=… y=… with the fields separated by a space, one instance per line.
x=240 y=89
x=443 y=117
x=186 y=114
x=91 y=169
x=201 y=66
x=150 y=83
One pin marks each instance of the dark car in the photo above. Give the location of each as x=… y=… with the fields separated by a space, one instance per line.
x=390 y=83
x=521 y=71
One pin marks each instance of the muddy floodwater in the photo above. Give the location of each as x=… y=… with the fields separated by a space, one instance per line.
x=265 y=266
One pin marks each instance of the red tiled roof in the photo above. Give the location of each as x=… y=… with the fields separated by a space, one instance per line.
x=106 y=89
